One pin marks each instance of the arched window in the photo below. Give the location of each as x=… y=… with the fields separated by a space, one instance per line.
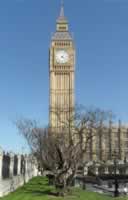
x=5 y=166
x=15 y=166
x=22 y=169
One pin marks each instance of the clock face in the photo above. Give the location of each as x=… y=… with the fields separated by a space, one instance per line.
x=62 y=57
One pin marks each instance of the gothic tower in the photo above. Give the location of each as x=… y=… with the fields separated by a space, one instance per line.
x=62 y=74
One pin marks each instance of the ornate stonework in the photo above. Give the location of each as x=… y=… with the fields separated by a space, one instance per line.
x=109 y=142
x=61 y=72
x=61 y=76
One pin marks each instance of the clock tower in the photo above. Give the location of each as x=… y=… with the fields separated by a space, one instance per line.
x=61 y=72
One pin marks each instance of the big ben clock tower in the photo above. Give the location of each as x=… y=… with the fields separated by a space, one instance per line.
x=61 y=72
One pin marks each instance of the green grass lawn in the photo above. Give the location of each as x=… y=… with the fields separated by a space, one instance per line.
x=38 y=189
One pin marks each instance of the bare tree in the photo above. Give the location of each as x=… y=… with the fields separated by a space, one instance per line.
x=62 y=153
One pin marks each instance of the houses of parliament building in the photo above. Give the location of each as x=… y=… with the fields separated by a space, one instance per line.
x=62 y=57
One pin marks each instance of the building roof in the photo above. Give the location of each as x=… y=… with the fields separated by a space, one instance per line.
x=62 y=17
x=62 y=36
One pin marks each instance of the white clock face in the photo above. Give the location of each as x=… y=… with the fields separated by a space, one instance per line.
x=62 y=57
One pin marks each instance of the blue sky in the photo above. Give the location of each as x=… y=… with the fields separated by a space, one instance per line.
x=100 y=30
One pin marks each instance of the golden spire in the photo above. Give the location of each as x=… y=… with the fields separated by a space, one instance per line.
x=62 y=9
x=62 y=16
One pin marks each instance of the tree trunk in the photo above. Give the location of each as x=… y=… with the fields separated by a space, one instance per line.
x=62 y=182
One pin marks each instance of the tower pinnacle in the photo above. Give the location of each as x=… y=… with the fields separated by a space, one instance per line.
x=62 y=16
x=62 y=22
x=62 y=9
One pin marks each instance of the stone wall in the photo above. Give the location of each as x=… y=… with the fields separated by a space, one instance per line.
x=109 y=167
x=15 y=170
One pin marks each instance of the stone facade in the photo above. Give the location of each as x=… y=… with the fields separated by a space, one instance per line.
x=110 y=142
x=62 y=75
x=62 y=69
x=15 y=170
